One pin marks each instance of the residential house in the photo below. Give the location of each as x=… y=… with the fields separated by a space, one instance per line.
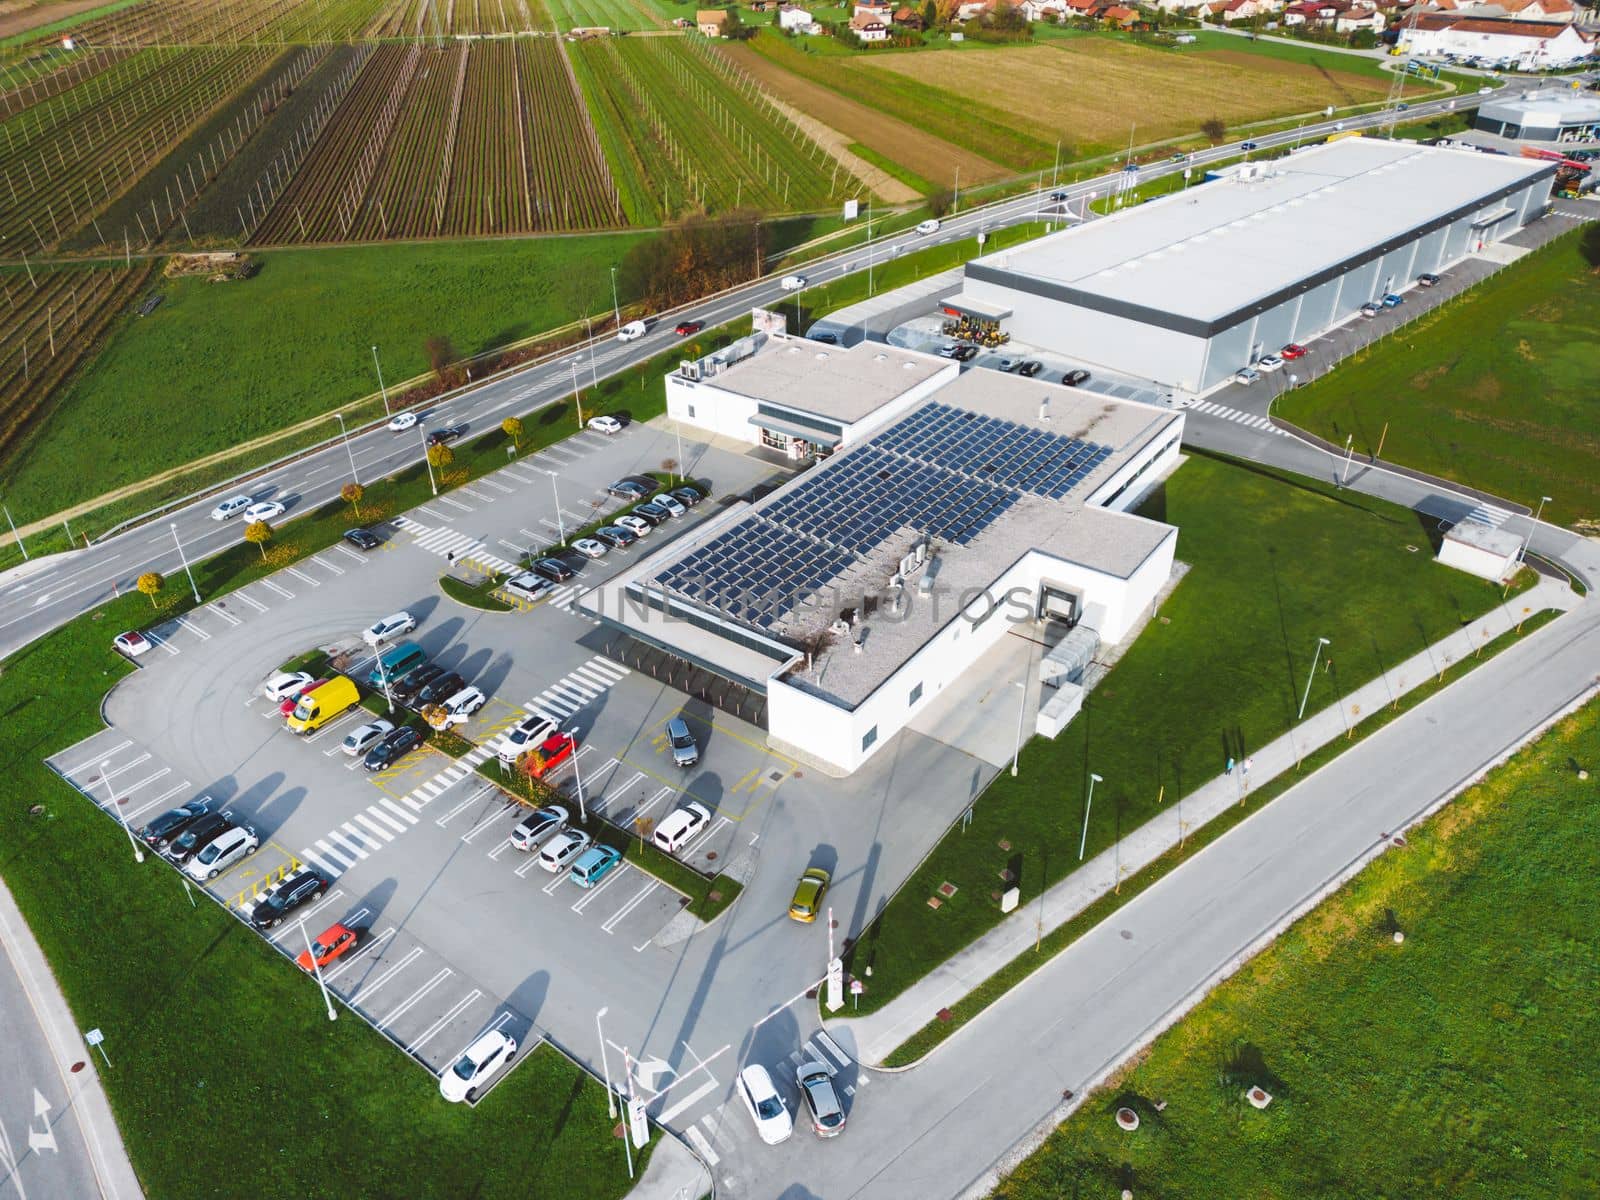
x=1235 y=10
x=794 y=19
x=971 y=10
x=1120 y=15
x=907 y=18
x=1082 y=8
x=869 y=28
x=1534 y=44
x=880 y=9
x=1359 y=17
x=1043 y=10
x=712 y=22
x=1540 y=10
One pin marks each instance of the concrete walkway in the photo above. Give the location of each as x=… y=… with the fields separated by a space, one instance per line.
x=878 y=1033
x=674 y=1173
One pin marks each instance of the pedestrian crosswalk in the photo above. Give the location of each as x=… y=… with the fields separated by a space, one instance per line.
x=577 y=688
x=456 y=546
x=1233 y=414
x=1489 y=514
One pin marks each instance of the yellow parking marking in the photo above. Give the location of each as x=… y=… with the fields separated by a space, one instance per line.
x=418 y=757
x=749 y=781
x=266 y=879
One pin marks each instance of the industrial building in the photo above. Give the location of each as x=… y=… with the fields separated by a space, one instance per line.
x=1558 y=116
x=854 y=595
x=1186 y=289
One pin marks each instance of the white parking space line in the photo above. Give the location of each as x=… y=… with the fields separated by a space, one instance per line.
x=251 y=601
x=109 y=776
x=368 y=823
x=528 y=533
x=268 y=584
x=533 y=861
x=394 y=808
x=338 y=724
x=551 y=526
x=224 y=614
x=322 y=562
x=593 y=894
x=615 y=918
x=699 y=1093
x=456 y=504
x=481 y=826
x=549 y=888
x=500 y=849
x=161 y=641
x=194 y=629
x=517 y=475
x=431 y=1031
x=161 y=799
x=476 y=494
x=393 y=969
x=127 y=790
x=499 y=487
x=99 y=758
x=360 y=954
x=301 y=575
x=349 y=553
x=410 y=1001
x=702 y=1146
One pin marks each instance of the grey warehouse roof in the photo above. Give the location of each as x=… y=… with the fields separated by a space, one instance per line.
x=1544 y=110
x=1201 y=259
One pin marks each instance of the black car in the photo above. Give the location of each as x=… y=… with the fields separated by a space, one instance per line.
x=440 y=688
x=363 y=539
x=1074 y=378
x=1029 y=369
x=1247 y=145
x=630 y=489
x=965 y=352
x=1060 y=197
x=653 y=513
x=395 y=744
x=553 y=569
x=447 y=433
x=170 y=824
x=197 y=836
x=686 y=496
x=414 y=681
x=615 y=536
x=288 y=894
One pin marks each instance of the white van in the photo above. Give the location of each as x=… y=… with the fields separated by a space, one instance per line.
x=632 y=331
x=928 y=227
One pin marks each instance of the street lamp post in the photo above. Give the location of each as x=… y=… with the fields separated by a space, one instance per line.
x=422 y=434
x=577 y=401
x=955 y=206
x=14 y=533
x=1321 y=642
x=677 y=428
x=627 y=1117
x=1349 y=453
x=1528 y=541
x=345 y=433
x=316 y=969
x=594 y=371
x=183 y=558
x=111 y=799
x=1022 y=708
x=1088 y=804
x=605 y=1067
x=616 y=309
x=577 y=777
x=560 y=523
x=381 y=388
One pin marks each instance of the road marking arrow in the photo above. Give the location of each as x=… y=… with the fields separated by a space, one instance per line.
x=645 y=1070
x=44 y=1139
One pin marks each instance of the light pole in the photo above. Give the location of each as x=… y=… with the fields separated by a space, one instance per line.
x=560 y=523
x=1527 y=541
x=381 y=388
x=1321 y=642
x=426 y=461
x=594 y=371
x=183 y=558
x=345 y=433
x=677 y=428
x=577 y=775
x=15 y=534
x=1088 y=804
x=627 y=1117
x=316 y=969
x=616 y=309
x=1022 y=708
x=1349 y=453
x=111 y=799
x=577 y=401
x=605 y=1067
x=955 y=205
x=383 y=676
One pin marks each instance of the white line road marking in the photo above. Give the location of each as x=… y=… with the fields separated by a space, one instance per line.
x=456 y=504
x=95 y=761
x=533 y=861
x=367 y=822
x=129 y=789
x=455 y=812
x=322 y=562
x=549 y=888
x=702 y=1146
x=309 y=913
x=268 y=584
x=493 y=1025
x=642 y=946
x=615 y=918
x=500 y=849
x=301 y=575
x=410 y=1001
x=126 y=767
x=429 y=1033
x=593 y=894
x=472 y=833
x=351 y=847
x=499 y=487
x=251 y=601
x=194 y=629
x=360 y=838
x=477 y=495
x=699 y=1093
x=224 y=614
x=334 y=974
x=161 y=641
x=349 y=553
x=397 y=810
x=405 y=960
x=161 y=799
x=342 y=858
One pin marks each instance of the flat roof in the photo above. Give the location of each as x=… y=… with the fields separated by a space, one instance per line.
x=990 y=468
x=1202 y=259
x=1482 y=536
x=841 y=383
x=1549 y=108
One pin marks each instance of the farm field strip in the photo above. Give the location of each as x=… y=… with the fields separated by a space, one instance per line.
x=570 y=185
x=633 y=156
x=27 y=90
x=488 y=182
x=601 y=14
x=404 y=190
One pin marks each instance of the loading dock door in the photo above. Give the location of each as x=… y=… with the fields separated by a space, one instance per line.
x=1058 y=605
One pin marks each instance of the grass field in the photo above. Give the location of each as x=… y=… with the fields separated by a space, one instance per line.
x=295 y=341
x=1496 y=390
x=1194 y=688
x=1458 y=1064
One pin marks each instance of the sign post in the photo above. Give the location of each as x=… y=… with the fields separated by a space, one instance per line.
x=856 y=988
x=96 y=1038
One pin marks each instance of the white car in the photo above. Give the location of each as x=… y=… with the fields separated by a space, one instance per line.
x=281 y=686
x=527 y=585
x=927 y=227
x=476 y=1066
x=560 y=850
x=632 y=331
x=792 y=283
x=230 y=508
x=605 y=424
x=390 y=627
x=672 y=505
x=636 y=525
x=1246 y=375
x=221 y=853
x=401 y=422
x=358 y=743
x=589 y=548
x=465 y=702
x=524 y=735
x=264 y=511
x=681 y=827
x=766 y=1107
x=133 y=643
x=1270 y=362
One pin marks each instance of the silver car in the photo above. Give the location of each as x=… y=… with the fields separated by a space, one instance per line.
x=365 y=738
x=816 y=1088
x=685 y=751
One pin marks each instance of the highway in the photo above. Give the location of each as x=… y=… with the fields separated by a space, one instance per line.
x=36 y=598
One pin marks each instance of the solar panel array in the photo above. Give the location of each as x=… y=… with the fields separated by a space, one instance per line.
x=943 y=472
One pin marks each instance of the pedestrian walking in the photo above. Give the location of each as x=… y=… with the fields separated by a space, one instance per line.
x=1245 y=766
x=1228 y=770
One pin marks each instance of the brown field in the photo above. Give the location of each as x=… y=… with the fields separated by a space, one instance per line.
x=1089 y=91
x=22 y=15
x=923 y=154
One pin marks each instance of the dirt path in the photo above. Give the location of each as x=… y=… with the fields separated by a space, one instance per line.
x=919 y=152
x=884 y=185
x=19 y=16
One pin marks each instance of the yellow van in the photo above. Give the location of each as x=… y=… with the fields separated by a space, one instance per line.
x=322 y=704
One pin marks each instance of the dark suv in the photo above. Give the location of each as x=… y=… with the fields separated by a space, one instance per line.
x=286 y=895
x=170 y=824
x=415 y=680
x=392 y=748
x=442 y=688
x=554 y=570
x=197 y=836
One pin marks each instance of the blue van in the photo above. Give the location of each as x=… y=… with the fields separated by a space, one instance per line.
x=395 y=662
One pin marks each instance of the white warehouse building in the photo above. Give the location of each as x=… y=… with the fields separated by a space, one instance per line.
x=855 y=594
x=1186 y=289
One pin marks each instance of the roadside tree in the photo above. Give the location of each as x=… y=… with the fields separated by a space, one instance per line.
x=258 y=534
x=151 y=583
x=352 y=493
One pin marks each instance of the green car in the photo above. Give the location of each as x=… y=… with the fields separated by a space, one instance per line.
x=808 y=894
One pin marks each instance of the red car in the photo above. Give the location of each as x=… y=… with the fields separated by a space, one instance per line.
x=552 y=752
x=331 y=943
x=287 y=707
x=1292 y=351
x=685 y=328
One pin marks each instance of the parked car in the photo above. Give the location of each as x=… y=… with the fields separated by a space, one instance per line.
x=392 y=747
x=1268 y=363
x=670 y=502
x=1427 y=279
x=689 y=328
x=553 y=569
x=396 y=662
x=480 y=1062
x=198 y=834
x=630 y=489
x=632 y=331
x=965 y=353
x=765 y=1106
x=331 y=944
x=822 y=1101
x=171 y=823
x=527 y=586
x=133 y=643
x=637 y=526
x=929 y=226
x=285 y=684
x=388 y=628
x=549 y=754
x=590 y=548
x=465 y=702
x=1010 y=365
x=808 y=894
x=221 y=852
x=1393 y=299
x=686 y=496
x=227 y=509
x=615 y=536
x=446 y=433
x=948 y=350
x=329 y=700
x=1246 y=375
x=538 y=825
x=265 y=510
x=1371 y=309
x=685 y=752
x=287 y=705
x=792 y=283
x=289 y=893
x=526 y=733
x=593 y=865
x=560 y=851
x=401 y=422
x=1074 y=377
x=405 y=690
x=605 y=424
x=440 y=688
x=1292 y=351
x=652 y=512
x=366 y=737
x=681 y=826
x=363 y=539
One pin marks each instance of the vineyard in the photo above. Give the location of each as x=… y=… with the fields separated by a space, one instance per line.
x=604 y=14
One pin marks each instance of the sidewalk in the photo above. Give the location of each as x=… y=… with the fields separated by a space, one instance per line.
x=674 y=1173
x=879 y=1033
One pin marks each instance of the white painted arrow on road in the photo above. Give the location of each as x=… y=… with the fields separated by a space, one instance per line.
x=41 y=1139
x=645 y=1070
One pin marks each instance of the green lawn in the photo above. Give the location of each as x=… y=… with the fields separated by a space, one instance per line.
x=1459 y=1064
x=1221 y=672
x=1496 y=390
x=238 y=360
x=297 y=1106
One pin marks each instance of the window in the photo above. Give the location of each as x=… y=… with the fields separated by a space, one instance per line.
x=776 y=441
x=916 y=694
x=690 y=407
x=796 y=418
x=869 y=737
